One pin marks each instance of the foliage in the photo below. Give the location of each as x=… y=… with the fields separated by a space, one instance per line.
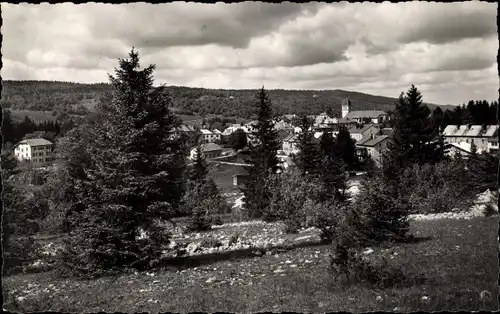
x=289 y=192
x=333 y=170
x=308 y=159
x=133 y=180
x=263 y=157
x=204 y=204
x=354 y=266
x=22 y=213
x=381 y=211
x=437 y=188
x=414 y=133
x=238 y=140
x=482 y=171
x=345 y=148
x=324 y=215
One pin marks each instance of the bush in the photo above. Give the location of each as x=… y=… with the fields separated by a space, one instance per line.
x=436 y=188
x=381 y=211
x=289 y=192
x=204 y=205
x=354 y=266
x=326 y=216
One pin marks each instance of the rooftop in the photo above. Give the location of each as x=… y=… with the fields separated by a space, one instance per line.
x=361 y=128
x=472 y=131
x=210 y=147
x=365 y=114
x=205 y=131
x=368 y=141
x=35 y=142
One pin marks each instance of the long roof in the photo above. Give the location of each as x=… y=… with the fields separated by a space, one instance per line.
x=209 y=147
x=374 y=141
x=205 y=131
x=472 y=131
x=365 y=114
x=35 y=142
x=361 y=129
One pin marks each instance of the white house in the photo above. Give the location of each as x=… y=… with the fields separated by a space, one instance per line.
x=38 y=151
x=483 y=137
x=217 y=134
x=208 y=136
x=209 y=150
x=374 y=146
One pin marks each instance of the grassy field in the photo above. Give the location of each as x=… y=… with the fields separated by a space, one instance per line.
x=447 y=270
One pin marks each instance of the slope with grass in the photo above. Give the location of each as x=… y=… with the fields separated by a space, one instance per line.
x=454 y=266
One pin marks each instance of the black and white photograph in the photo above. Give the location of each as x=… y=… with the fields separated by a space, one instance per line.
x=250 y=157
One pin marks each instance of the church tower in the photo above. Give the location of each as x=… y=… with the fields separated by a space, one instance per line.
x=346 y=107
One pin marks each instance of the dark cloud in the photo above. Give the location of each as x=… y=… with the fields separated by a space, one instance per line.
x=192 y=24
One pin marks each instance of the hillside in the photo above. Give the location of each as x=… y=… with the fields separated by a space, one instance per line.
x=79 y=99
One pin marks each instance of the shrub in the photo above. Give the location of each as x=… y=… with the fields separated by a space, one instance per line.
x=326 y=216
x=235 y=237
x=436 y=188
x=210 y=242
x=381 y=211
x=289 y=193
x=354 y=266
x=204 y=205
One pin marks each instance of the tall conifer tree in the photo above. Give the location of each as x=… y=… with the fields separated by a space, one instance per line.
x=134 y=178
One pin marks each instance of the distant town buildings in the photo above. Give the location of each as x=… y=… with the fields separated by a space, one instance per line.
x=37 y=151
x=362 y=116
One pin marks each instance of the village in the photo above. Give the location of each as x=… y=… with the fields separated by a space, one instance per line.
x=250 y=157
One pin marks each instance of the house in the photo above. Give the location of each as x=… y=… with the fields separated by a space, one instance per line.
x=217 y=135
x=282 y=125
x=208 y=136
x=373 y=146
x=186 y=131
x=209 y=150
x=374 y=116
x=464 y=149
x=493 y=145
x=360 y=131
x=289 y=145
x=37 y=151
x=481 y=136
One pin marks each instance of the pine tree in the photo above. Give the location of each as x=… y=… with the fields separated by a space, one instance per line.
x=308 y=159
x=198 y=171
x=263 y=158
x=415 y=136
x=345 y=147
x=333 y=169
x=134 y=180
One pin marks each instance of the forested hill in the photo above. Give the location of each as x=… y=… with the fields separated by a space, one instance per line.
x=76 y=98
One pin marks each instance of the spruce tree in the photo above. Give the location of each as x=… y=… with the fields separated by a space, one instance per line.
x=345 y=147
x=333 y=169
x=263 y=159
x=134 y=178
x=308 y=158
x=414 y=134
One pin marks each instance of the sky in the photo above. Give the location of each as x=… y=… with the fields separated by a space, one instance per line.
x=447 y=50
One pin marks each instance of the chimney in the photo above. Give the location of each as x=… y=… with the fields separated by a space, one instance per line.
x=371 y=136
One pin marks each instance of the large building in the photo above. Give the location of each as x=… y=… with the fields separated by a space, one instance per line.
x=209 y=151
x=362 y=116
x=483 y=137
x=37 y=151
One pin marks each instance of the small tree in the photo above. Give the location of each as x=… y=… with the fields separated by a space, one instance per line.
x=345 y=148
x=308 y=158
x=263 y=158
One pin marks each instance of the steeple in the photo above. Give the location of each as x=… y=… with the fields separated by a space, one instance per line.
x=346 y=107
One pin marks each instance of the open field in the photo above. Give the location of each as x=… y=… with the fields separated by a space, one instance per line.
x=448 y=269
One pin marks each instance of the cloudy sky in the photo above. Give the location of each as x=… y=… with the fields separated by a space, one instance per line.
x=448 y=50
